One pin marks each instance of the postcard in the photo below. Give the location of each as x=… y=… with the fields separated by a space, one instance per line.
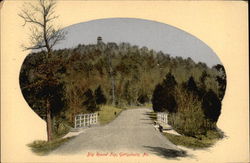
x=124 y=81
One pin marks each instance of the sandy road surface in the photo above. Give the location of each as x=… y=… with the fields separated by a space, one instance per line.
x=132 y=131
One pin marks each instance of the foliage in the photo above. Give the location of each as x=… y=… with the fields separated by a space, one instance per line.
x=191 y=85
x=60 y=127
x=99 y=96
x=211 y=105
x=44 y=36
x=196 y=109
x=90 y=102
x=41 y=86
x=221 y=79
x=189 y=120
x=138 y=75
x=163 y=96
x=157 y=98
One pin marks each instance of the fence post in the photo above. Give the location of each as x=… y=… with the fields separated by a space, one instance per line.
x=83 y=120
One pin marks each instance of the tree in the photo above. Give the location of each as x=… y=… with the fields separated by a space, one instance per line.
x=221 y=79
x=169 y=81
x=191 y=86
x=99 y=96
x=203 y=78
x=44 y=36
x=109 y=51
x=90 y=101
x=163 y=95
x=211 y=106
x=163 y=101
x=128 y=92
x=44 y=93
x=156 y=99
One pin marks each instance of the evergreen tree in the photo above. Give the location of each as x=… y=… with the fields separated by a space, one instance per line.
x=211 y=106
x=138 y=73
x=191 y=86
x=90 y=102
x=163 y=96
x=99 y=96
x=169 y=82
x=157 y=100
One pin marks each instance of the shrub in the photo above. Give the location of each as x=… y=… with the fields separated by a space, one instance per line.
x=211 y=106
x=60 y=127
x=189 y=120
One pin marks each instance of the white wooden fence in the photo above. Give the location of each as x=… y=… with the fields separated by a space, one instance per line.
x=82 y=120
x=162 y=117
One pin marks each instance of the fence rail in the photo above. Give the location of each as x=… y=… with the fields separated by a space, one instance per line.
x=82 y=120
x=162 y=117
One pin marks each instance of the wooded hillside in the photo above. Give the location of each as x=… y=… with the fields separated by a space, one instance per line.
x=88 y=76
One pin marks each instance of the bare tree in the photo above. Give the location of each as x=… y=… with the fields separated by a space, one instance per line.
x=44 y=35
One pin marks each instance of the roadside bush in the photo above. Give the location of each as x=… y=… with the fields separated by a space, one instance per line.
x=193 y=111
x=60 y=127
x=189 y=120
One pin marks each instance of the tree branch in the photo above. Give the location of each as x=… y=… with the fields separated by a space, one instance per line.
x=43 y=34
x=28 y=19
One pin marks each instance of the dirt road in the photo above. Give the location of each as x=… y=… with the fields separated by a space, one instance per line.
x=131 y=131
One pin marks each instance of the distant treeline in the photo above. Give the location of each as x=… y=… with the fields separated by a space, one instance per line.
x=85 y=77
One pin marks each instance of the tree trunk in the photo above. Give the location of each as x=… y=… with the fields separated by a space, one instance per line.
x=48 y=121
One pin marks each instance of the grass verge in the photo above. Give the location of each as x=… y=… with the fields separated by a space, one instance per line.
x=41 y=147
x=148 y=105
x=108 y=113
x=202 y=141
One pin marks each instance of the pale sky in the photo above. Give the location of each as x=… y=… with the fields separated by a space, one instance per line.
x=154 y=35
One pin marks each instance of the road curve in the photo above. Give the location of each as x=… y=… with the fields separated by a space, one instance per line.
x=131 y=131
